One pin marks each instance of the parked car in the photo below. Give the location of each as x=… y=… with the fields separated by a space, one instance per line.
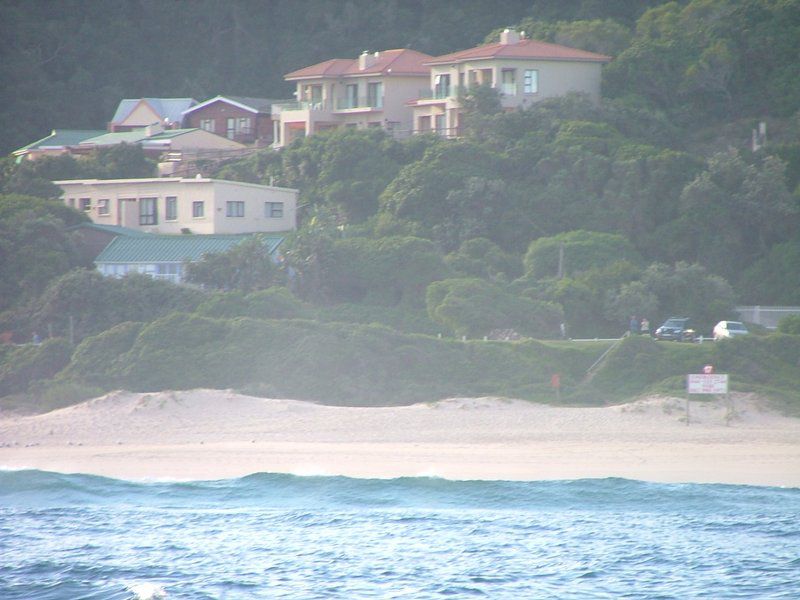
x=729 y=329
x=676 y=329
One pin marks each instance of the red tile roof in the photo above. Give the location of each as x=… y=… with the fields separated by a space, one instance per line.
x=531 y=49
x=389 y=62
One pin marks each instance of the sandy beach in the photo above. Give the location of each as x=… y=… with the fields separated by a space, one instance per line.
x=212 y=434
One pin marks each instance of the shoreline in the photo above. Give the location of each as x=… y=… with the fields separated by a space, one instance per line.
x=218 y=434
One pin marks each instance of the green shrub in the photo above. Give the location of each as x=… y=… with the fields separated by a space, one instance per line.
x=790 y=325
x=30 y=362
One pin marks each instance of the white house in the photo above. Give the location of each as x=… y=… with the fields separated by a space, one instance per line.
x=174 y=205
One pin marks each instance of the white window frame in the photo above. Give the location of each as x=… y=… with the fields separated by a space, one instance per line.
x=234 y=208
x=531 y=80
x=148 y=217
x=103 y=207
x=208 y=125
x=198 y=209
x=171 y=208
x=273 y=210
x=85 y=204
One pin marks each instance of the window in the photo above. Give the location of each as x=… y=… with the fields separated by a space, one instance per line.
x=207 y=125
x=234 y=208
x=102 y=206
x=86 y=203
x=441 y=86
x=71 y=202
x=440 y=124
x=197 y=209
x=244 y=125
x=147 y=211
x=230 y=131
x=375 y=94
x=171 y=209
x=509 y=82
x=313 y=94
x=273 y=210
x=531 y=81
x=351 y=99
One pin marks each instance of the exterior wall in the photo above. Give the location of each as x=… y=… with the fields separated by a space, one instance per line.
x=169 y=271
x=254 y=198
x=124 y=203
x=220 y=112
x=141 y=116
x=555 y=78
x=305 y=117
x=202 y=140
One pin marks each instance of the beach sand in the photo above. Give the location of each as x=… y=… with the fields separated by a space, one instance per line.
x=213 y=434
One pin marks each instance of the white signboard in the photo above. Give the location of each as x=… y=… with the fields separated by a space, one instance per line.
x=716 y=383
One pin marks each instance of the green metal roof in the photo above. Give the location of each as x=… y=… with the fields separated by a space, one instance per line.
x=129 y=137
x=115 y=229
x=157 y=248
x=170 y=133
x=62 y=137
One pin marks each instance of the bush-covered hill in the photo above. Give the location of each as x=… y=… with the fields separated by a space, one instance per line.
x=560 y=220
x=373 y=365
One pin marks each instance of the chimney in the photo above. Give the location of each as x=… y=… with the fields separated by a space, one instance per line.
x=366 y=60
x=153 y=129
x=508 y=37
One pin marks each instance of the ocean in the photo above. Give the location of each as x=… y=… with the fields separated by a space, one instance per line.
x=71 y=537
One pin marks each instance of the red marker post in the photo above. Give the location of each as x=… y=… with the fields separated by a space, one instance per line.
x=555 y=383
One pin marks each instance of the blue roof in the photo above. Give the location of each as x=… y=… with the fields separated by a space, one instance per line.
x=171 y=108
x=158 y=248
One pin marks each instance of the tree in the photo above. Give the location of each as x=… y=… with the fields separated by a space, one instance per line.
x=733 y=212
x=387 y=271
x=475 y=307
x=575 y=252
x=248 y=266
x=83 y=302
x=36 y=245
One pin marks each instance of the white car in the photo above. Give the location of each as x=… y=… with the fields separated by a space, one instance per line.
x=729 y=329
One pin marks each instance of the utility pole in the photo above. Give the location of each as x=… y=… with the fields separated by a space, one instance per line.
x=560 y=274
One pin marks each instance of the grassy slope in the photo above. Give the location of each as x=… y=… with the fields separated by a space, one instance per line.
x=374 y=365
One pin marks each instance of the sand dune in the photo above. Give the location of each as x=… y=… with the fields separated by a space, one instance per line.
x=212 y=434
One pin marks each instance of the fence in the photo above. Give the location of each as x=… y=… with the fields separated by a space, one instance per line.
x=766 y=316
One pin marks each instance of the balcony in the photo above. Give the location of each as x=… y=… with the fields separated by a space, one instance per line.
x=439 y=93
x=320 y=105
x=364 y=103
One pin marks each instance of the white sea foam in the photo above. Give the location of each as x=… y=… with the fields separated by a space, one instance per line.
x=146 y=590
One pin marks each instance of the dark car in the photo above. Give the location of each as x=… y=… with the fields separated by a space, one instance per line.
x=677 y=329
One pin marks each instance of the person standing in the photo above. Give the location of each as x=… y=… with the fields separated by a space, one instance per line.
x=634 y=325
x=645 y=326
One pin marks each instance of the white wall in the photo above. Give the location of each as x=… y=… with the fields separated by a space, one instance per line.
x=124 y=198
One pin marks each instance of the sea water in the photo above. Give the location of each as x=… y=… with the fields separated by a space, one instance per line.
x=282 y=536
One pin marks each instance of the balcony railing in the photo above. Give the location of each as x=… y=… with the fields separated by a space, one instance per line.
x=301 y=105
x=439 y=93
x=360 y=102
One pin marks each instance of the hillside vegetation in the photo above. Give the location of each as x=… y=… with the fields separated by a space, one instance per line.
x=569 y=216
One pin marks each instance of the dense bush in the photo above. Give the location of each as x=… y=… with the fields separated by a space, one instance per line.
x=25 y=364
x=272 y=303
x=474 y=307
x=790 y=325
x=84 y=302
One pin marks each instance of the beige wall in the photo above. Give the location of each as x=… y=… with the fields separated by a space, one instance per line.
x=396 y=92
x=203 y=140
x=141 y=116
x=124 y=197
x=555 y=78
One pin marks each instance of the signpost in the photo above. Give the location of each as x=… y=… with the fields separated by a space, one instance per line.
x=707 y=383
